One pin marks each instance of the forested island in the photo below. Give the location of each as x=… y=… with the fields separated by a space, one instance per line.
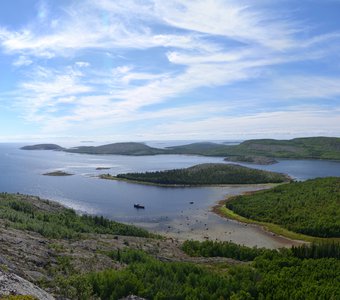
x=298 y=148
x=311 y=207
x=204 y=174
x=90 y=257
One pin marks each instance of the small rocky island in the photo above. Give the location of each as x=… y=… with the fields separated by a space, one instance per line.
x=57 y=173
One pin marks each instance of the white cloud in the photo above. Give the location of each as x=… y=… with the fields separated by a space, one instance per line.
x=22 y=61
x=82 y=64
x=227 y=18
x=307 y=86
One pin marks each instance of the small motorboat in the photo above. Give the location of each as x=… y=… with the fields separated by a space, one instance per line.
x=191 y=202
x=138 y=206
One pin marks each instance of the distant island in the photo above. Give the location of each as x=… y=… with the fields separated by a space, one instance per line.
x=57 y=173
x=204 y=174
x=299 y=148
x=43 y=147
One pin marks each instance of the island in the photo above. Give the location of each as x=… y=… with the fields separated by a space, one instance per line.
x=298 y=148
x=43 y=147
x=57 y=173
x=310 y=208
x=103 y=168
x=48 y=251
x=203 y=174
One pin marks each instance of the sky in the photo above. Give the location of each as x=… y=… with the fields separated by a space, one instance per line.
x=137 y=70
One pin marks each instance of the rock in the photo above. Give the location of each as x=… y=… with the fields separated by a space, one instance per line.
x=11 y=284
x=132 y=297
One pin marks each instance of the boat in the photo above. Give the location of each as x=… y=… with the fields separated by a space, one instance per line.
x=138 y=206
x=191 y=202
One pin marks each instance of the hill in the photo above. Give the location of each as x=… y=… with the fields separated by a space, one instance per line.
x=196 y=148
x=299 y=148
x=118 y=148
x=206 y=174
x=43 y=147
x=311 y=207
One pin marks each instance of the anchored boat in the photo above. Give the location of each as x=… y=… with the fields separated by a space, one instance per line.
x=138 y=206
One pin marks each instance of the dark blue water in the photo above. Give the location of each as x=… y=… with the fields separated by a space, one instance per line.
x=21 y=171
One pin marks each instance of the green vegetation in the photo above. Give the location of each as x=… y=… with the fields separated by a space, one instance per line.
x=311 y=207
x=222 y=249
x=207 y=174
x=54 y=221
x=243 y=253
x=328 y=250
x=272 y=275
x=252 y=159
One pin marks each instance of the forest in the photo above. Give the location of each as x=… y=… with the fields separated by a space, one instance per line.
x=311 y=207
x=207 y=174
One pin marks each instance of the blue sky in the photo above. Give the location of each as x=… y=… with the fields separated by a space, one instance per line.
x=124 y=70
